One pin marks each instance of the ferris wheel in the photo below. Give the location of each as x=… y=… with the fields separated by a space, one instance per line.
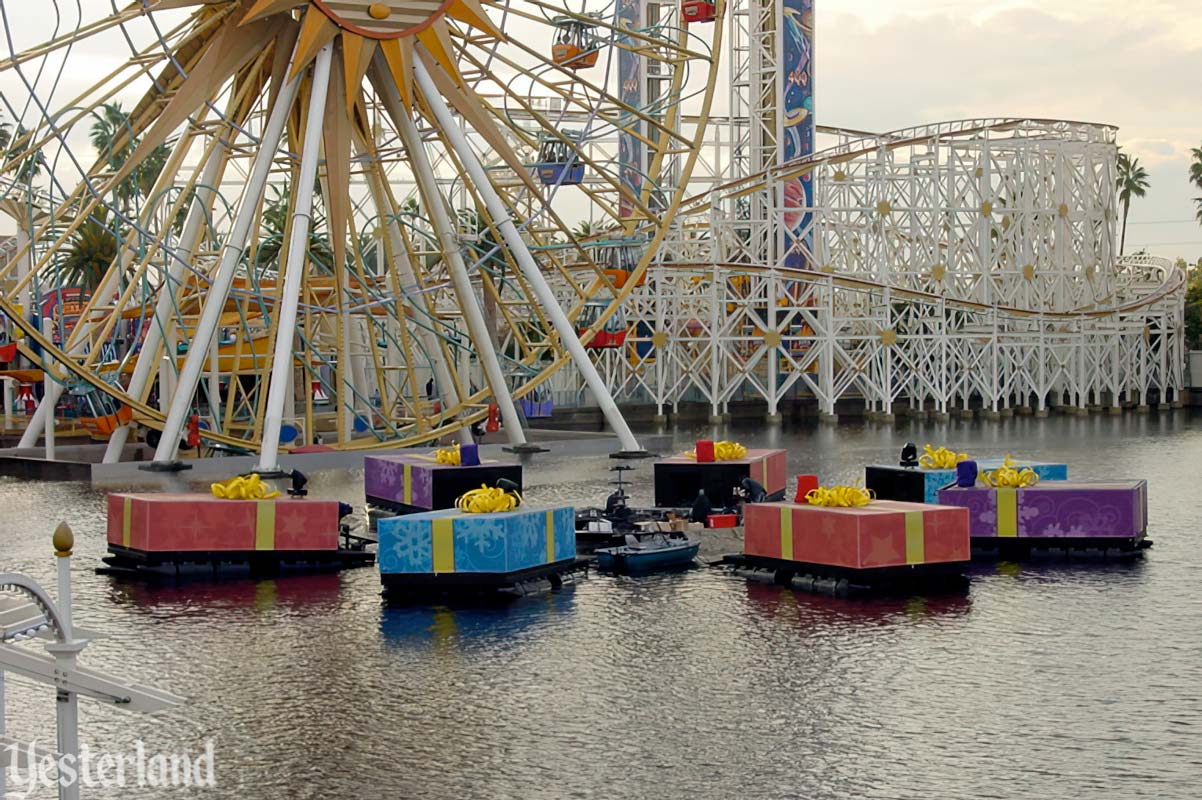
x=380 y=221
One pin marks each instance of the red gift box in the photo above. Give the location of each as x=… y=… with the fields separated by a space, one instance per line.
x=880 y=534
x=167 y=523
x=705 y=451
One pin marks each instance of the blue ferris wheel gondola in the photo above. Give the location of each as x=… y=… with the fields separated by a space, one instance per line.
x=558 y=162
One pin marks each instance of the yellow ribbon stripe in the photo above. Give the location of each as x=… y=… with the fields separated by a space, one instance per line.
x=444 y=544
x=407 y=491
x=764 y=472
x=786 y=533
x=915 y=538
x=1007 y=511
x=265 y=525
x=550 y=536
x=1007 y=476
x=839 y=496
x=126 y=519
x=941 y=458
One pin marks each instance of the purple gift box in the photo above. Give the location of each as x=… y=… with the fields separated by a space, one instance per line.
x=417 y=482
x=1055 y=510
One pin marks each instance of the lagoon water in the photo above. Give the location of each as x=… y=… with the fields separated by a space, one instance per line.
x=1049 y=681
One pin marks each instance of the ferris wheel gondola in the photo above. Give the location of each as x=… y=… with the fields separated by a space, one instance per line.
x=576 y=45
x=698 y=10
x=97 y=412
x=558 y=162
x=611 y=335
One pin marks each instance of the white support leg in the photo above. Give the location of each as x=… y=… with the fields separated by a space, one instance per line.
x=48 y=417
x=423 y=173
x=37 y=422
x=214 y=382
x=513 y=239
x=223 y=278
x=302 y=214
x=8 y=412
x=164 y=318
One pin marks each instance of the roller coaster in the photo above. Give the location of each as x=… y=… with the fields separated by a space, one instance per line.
x=365 y=225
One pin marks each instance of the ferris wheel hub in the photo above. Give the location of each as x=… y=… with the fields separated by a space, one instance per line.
x=383 y=20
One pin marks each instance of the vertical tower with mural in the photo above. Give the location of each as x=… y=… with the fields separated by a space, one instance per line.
x=771 y=75
x=795 y=78
x=631 y=149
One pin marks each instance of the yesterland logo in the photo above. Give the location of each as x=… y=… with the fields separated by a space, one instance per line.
x=32 y=767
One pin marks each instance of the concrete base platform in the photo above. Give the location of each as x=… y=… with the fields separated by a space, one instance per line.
x=82 y=462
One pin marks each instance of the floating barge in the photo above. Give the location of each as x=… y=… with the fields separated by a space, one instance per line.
x=679 y=479
x=1058 y=519
x=449 y=553
x=167 y=532
x=412 y=484
x=880 y=547
x=922 y=485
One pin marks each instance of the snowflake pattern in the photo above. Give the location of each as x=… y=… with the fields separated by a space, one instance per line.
x=483 y=542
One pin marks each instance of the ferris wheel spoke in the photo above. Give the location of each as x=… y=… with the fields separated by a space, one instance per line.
x=224 y=275
x=428 y=187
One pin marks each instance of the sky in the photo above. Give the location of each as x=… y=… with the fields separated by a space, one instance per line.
x=884 y=65
x=1136 y=64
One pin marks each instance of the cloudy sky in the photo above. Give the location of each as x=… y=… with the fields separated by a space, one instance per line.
x=1137 y=64
x=887 y=64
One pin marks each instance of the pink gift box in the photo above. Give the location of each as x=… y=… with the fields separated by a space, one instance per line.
x=171 y=523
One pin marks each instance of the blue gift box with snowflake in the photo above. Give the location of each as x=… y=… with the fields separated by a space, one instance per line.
x=450 y=541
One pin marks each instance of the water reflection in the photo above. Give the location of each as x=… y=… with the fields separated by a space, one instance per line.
x=772 y=604
x=1044 y=680
x=464 y=625
x=203 y=595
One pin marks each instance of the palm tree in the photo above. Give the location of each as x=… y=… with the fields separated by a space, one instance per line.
x=1195 y=177
x=33 y=162
x=90 y=251
x=1132 y=182
x=112 y=125
x=275 y=228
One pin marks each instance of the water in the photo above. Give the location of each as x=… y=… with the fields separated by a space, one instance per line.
x=1041 y=682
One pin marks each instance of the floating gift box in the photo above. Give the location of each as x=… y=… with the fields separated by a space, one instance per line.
x=197 y=523
x=881 y=534
x=1055 y=510
x=922 y=485
x=450 y=541
x=678 y=479
x=416 y=483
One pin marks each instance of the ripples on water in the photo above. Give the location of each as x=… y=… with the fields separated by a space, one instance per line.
x=1041 y=682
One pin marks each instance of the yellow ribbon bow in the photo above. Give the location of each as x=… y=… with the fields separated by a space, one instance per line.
x=1007 y=477
x=724 y=451
x=839 y=496
x=448 y=455
x=941 y=458
x=488 y=500
x=243 y=487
